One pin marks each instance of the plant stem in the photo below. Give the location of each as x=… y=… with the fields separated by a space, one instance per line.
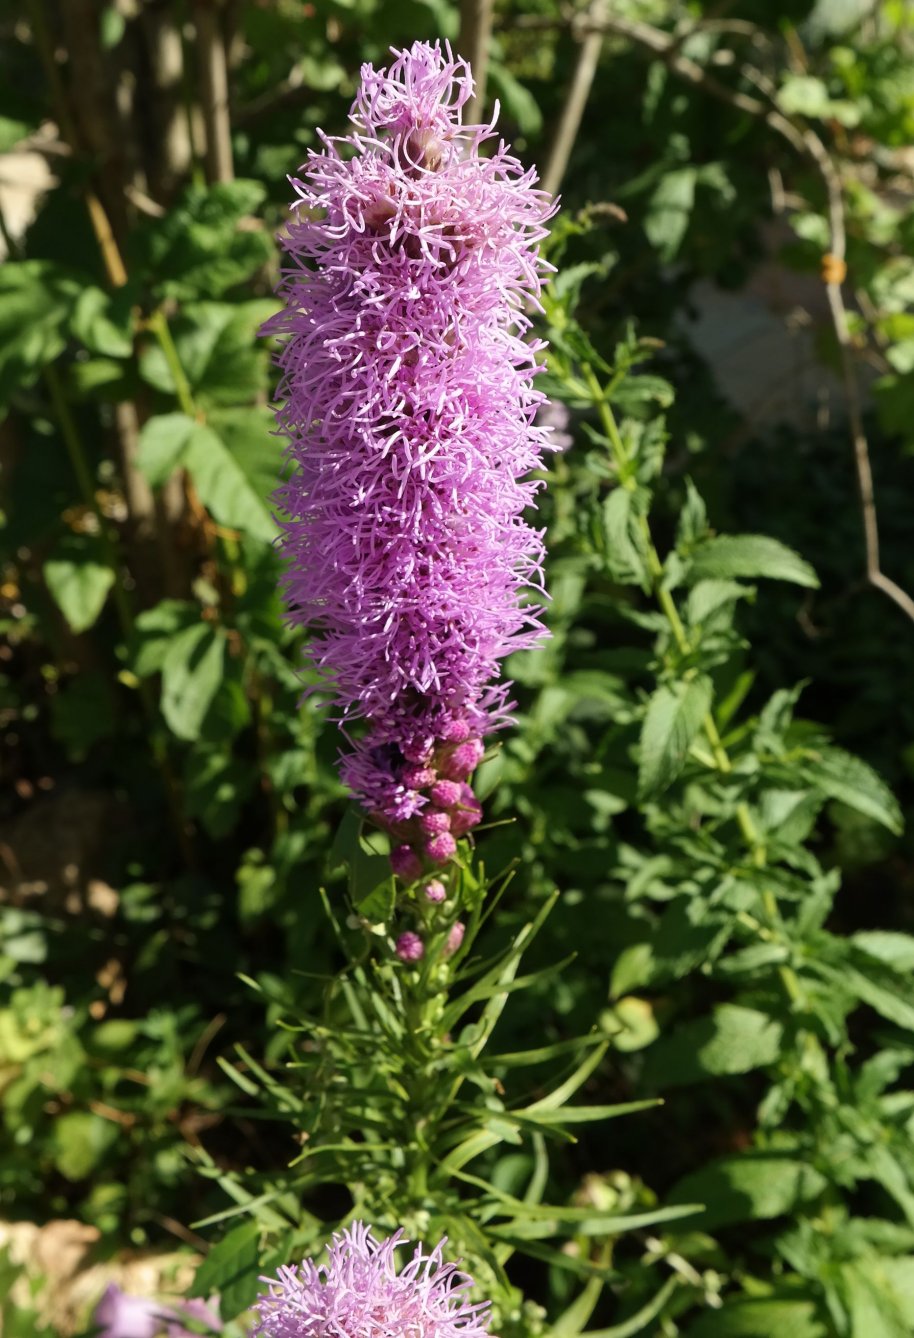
x=722 y=761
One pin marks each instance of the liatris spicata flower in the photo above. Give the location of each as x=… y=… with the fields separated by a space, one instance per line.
x=357 y=1292
x=408 y=402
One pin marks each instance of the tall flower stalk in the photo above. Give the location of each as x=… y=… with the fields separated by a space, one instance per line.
x=408 y=403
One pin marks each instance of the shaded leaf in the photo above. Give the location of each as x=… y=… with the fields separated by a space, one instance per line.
x=79 y=578
x=674 y=716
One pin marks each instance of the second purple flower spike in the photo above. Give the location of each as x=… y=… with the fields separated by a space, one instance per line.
x=408 y=403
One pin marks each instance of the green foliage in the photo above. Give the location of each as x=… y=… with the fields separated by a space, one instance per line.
x=179 y=1038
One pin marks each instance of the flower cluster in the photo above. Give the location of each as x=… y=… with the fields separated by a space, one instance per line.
x=408 y=403
x=358 y=1292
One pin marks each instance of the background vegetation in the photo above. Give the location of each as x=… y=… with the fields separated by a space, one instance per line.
x=713 y=756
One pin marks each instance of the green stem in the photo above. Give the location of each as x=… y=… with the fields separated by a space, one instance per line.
x=159 y=326
x=750 y=832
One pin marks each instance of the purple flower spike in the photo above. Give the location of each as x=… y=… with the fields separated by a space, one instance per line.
x=358 y=1292
x=409 y=408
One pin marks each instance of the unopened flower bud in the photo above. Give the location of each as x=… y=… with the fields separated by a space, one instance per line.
x=435 y=891
x=405 y=863
x=410 y=947
x=454 y=938
x=433 y=822
x=445 y=793
x=441 y=848
x=464 y=760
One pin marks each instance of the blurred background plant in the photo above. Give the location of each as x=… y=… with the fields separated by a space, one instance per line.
x=733 y=878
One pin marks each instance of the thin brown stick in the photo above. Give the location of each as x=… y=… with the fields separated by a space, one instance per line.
x=476 y=18
x=214 y=77
x=576 y=98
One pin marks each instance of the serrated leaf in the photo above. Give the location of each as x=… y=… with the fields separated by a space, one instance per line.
x=693 y=518
x=706 y=597
x=79 y=579
x=674 y=716
x=750 y=555
x=191 y=674
x=849 y=779
x=624 y=558
x=232 y=1270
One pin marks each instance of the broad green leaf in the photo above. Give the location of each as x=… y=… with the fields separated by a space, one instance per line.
x=229 y=479
x=80 y=1141
x=155 y=629
x=191 y=673
x=230 y=482
x=873 y=1306
x=163 y=445
x=849 y=779
x=361 y=850
x=805 y=95
x=706 y=597
x=674 y=716
x=232 y=1270
x=36 y=299
x=103 y=323
x=750 y=555
x=79 y=579
x=888 y=991
x=895 y=950
x=207 y=243
x=219 y=352
x=732 y=1040
x=754 y=1186
x=761 y=1318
